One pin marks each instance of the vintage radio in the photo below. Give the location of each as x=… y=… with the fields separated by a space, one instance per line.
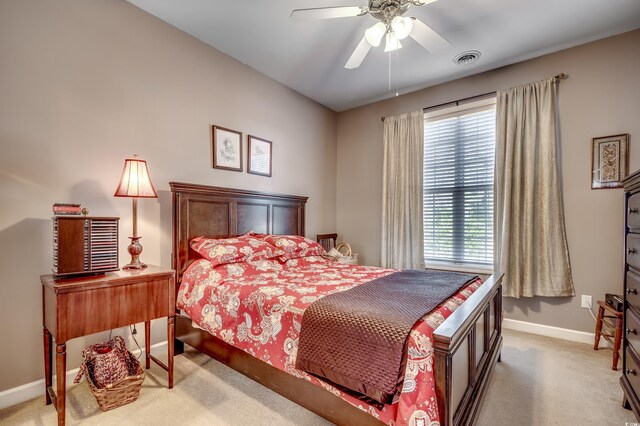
x=615 y=301
x=85 y=245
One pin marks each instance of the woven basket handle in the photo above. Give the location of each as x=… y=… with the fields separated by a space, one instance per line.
x=81 y=371
x=119 y=343
x=347 y=246
x=88 y=353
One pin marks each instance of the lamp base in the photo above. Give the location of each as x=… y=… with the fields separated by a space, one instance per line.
x=135 y=265
x=134 y=249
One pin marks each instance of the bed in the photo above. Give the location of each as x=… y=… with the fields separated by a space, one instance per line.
x=466 y=345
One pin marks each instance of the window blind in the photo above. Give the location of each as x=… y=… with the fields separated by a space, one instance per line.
x=459 y=151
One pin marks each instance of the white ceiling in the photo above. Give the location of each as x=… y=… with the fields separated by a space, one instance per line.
x=309 y=56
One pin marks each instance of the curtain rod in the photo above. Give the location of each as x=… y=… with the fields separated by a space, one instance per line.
x=561 y=76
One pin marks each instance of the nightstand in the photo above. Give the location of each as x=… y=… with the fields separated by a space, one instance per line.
x=609 y=327
x=78 y=306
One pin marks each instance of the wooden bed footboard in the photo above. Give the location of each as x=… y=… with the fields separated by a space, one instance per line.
x=467 y=345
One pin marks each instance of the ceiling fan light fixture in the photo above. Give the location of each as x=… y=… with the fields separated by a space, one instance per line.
x=402 y=26
x=392 y=42
x=391 y=23
x=374 y=34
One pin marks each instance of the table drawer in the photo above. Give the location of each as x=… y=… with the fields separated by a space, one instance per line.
x=633 y=290
x=633 y=250
x=633 y=212
x=91 y=311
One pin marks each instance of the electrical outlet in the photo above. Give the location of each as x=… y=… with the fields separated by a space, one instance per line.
x=586 y=301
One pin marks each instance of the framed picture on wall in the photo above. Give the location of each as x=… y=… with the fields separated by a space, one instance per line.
x=609 y=161
x=259 y=158
x=227 y=149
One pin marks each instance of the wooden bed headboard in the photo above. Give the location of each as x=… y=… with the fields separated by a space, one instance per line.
x=215 y=212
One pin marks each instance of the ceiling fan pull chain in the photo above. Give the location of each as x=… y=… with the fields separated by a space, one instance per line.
x=396 y=83
x=389 y=71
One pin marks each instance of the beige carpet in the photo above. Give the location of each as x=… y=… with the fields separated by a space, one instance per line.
x=540 y=381
x=545 y=381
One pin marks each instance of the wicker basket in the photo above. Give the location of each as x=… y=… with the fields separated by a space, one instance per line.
x=120 y=392
x=347 y=256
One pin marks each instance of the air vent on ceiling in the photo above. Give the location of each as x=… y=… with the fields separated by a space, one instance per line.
x=466 y=58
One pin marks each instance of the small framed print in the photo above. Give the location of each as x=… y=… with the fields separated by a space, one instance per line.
x=609 y=161
x=227 y=149
x=259 y=158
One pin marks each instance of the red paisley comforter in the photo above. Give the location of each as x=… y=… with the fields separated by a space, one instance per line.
x=258 y=306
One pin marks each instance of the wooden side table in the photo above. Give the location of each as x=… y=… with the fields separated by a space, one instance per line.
x=611 y=321
x=79 y=306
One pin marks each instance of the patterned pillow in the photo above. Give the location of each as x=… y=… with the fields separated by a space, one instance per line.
x=254 y=234
x=295 y=246
x=233 y=250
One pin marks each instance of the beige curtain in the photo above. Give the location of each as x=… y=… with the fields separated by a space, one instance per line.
x=402 y=233
x=530 y=240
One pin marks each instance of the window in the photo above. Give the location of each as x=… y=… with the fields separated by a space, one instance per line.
x=459 y=151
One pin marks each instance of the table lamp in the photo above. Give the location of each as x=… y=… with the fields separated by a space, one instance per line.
x=135 y=183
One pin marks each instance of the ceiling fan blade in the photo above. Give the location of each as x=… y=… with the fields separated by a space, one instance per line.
x=422 y=2
x=329 y=12
x=358 y=55
x=428 y=38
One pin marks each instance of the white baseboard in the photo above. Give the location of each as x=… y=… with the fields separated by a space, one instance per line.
x=35 y=389
x=557 y=332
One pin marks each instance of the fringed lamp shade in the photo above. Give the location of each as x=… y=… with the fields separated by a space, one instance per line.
x=135 y=183
x=135 y=180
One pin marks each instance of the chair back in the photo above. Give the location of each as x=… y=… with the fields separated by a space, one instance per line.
x=327 y=241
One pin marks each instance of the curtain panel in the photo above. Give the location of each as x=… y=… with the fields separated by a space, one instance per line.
x=530 y=239
x=402 y=230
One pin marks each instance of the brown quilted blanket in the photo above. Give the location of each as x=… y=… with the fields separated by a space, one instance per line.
x=356 y=338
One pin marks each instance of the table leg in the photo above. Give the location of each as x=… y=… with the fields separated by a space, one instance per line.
x=61 y=379
x=598 y=328
x=170 y=343
x=46 y=336
x=616 y=344
x=147 y=344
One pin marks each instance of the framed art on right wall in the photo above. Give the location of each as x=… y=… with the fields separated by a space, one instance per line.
x=259 y=161
x=609 y=161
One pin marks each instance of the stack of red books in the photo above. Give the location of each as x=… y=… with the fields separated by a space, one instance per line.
x=62 y=209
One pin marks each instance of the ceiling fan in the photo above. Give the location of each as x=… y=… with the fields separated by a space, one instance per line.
x=393 y=26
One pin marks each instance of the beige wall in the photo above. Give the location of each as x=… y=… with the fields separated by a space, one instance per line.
x=601 y=97
x=85 y=84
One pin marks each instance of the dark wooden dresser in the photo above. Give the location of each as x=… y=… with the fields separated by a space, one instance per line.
x=630 y=379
